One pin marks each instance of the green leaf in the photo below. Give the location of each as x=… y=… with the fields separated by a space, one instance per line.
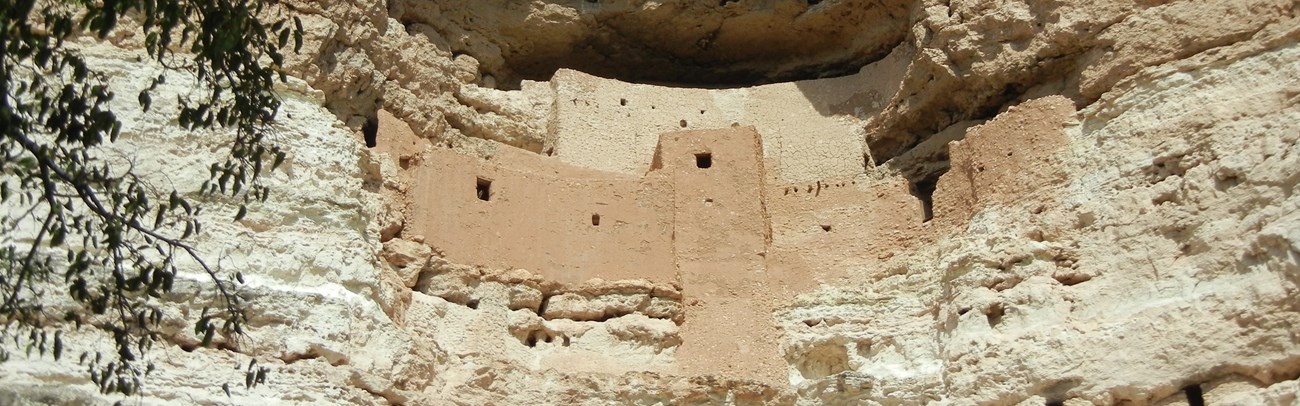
x=145 y=100
x=284 y=38
x=56 y=235
x=158 y=219
x=297 y=34
x=279 y=159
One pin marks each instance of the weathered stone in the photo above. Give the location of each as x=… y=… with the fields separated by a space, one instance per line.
x=1022 y=203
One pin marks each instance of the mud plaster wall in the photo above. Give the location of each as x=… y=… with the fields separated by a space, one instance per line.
x=721 y=236
x=822 y=228
x=611 y=125
x=992 y=165
x=706 y=216
x=738 y=216
x=566 y=223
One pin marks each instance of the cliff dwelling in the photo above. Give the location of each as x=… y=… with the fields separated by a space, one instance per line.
x=666 y=185
x=683 y=202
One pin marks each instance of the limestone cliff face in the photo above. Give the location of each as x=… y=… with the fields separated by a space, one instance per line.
x=1010 y=203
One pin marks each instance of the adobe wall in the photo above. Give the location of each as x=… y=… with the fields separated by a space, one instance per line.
x=721 y=238
x=824 y=228
x=707 y=215
x=1004 y=159
x=540 y=215
x=807 y=131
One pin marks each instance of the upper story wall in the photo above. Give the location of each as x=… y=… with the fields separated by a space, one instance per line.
x=807 y=130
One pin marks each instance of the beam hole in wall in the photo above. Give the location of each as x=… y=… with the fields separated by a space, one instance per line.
x=622 y=102
x=826 y=227
x=703 y=160
x=483 y=189
x=1195 y=397
x=682 y=123
x=370 y=131
x=1054 y=402
x=595 y=219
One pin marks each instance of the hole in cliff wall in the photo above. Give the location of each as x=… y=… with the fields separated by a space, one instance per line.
x=703 y=160
x=543 y=336
x=370 y=131
x=822 y=360
x=994 y=312
x=924 y=191
x=483 y=189
x=682 y=123
x=595 y=219
x=1194 y=395
x=826 y=227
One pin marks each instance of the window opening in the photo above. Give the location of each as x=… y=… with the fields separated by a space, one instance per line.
x=703 y=160
x=483 y=189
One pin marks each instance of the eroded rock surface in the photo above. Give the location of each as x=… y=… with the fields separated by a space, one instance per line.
x=1002 y=203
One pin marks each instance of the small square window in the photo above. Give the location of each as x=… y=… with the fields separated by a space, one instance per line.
x=703 y=160
x=483 y=189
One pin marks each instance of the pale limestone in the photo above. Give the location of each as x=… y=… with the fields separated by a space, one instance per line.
x=1145 y=243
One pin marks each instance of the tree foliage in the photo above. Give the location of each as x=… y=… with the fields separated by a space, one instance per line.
x=74 y=223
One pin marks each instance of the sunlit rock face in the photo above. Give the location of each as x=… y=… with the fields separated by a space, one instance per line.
x=964 y=202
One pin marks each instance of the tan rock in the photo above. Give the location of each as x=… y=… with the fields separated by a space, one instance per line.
x=1009 y=203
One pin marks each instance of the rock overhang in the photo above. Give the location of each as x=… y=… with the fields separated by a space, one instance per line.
x=731 y=43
